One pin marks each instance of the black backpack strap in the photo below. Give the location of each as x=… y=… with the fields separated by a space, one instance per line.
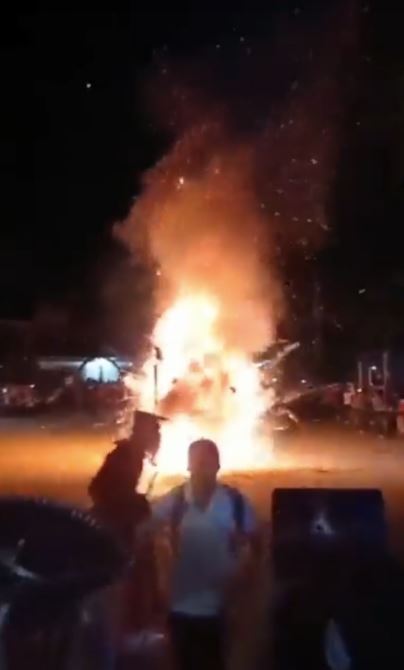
x=238 y=507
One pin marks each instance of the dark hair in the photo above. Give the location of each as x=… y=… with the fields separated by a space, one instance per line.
x=207 y=445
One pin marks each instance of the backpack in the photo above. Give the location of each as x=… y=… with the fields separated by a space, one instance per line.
x=180 y=507
x=239 y=516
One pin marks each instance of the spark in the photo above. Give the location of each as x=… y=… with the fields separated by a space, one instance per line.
x=199 y=403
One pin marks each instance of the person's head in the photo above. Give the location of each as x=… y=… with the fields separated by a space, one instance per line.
x=146 y=431
x=203 y=462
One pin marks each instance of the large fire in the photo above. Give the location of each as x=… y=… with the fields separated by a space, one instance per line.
x=205 y=388
x=199 y=220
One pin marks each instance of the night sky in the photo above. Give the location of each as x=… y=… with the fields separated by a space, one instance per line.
x=77 y=133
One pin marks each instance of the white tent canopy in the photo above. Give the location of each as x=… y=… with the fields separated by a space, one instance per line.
x=100 y=369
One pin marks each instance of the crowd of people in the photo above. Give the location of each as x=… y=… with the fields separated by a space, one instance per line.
x=214 y=555
x=372 y=409
x=192 y=552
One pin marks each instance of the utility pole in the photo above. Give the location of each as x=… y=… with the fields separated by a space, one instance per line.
x=157 y=358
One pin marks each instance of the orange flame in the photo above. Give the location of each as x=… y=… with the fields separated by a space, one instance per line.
x=199 y=219
x=205 y=389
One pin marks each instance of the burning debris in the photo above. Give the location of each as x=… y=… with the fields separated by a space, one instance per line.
x=217 y=299
x=207 y=220
x=206 y=387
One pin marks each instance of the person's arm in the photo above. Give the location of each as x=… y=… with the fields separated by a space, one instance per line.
x=161 y=512
x=241 y=588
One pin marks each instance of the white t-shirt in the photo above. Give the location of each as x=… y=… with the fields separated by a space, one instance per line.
x=205 y=558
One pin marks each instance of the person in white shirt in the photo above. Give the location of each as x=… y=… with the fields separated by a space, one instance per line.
x=210 y=525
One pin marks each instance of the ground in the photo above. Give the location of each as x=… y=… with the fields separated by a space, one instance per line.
x=56 y=456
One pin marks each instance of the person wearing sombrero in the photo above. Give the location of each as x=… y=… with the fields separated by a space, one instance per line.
x=120 y=508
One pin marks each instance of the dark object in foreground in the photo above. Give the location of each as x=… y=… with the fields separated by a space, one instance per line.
x=319 y=535
x=118 y=477
x=370 y=614
x=315 y=528
x=331 y=560
x=51 y=554
x=51 y=558
x=120 y=509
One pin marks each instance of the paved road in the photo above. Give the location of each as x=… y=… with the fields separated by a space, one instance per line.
x=56 y=457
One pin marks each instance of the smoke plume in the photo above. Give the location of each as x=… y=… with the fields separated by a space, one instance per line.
x=247 y=177
x=203 y=226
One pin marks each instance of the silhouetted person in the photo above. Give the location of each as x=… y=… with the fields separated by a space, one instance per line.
x=113 y=489
x=120 y=508
x=210 y=525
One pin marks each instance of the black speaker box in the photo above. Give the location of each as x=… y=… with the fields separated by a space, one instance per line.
x=316 y=529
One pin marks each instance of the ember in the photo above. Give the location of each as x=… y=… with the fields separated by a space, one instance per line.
x=205 y=389
x=216 y=296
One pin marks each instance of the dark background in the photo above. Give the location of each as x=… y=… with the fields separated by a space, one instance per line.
x=76 y=135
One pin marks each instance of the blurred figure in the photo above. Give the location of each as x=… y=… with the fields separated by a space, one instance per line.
x=392 y=402
x=132 y=605
x=211 y=527
x=380 y=414
x=359 y=410
x=113 y=489
x=115 y=501
x=347 y=401
x=366 y=629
